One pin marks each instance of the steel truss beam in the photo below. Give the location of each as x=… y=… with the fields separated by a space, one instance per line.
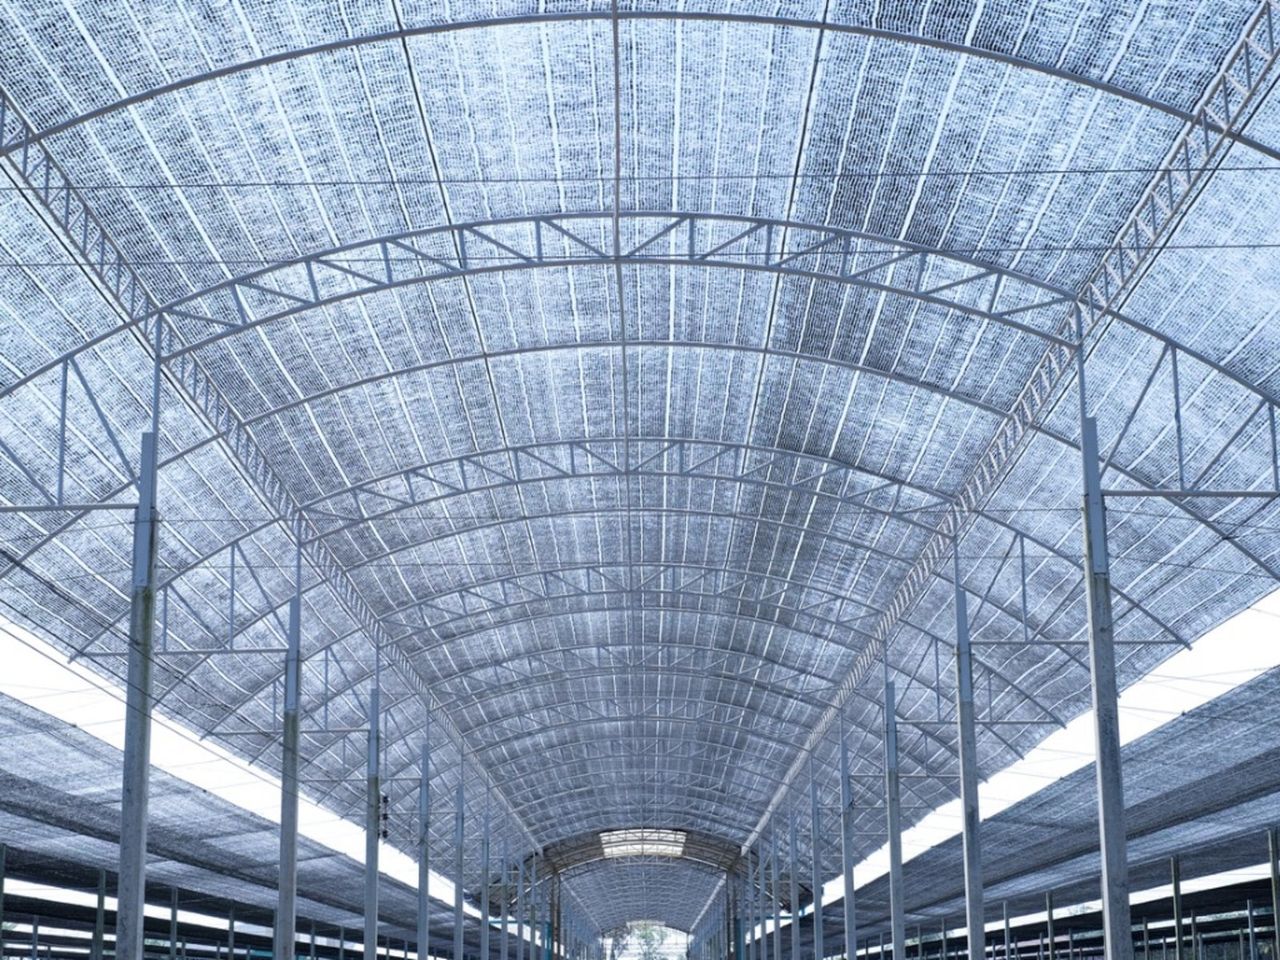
x=1231 y=99
x=71 y=219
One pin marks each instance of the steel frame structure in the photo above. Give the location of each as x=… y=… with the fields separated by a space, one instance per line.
x=186 y=337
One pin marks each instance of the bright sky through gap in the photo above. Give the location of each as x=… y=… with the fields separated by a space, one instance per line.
x=1233 y=653
x=39 y=675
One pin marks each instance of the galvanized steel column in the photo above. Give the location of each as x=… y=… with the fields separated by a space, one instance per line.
x=424 y=850
x=131 y=887
x=1117 y=928
x=776 y=893
x=846 y=848
x=815 y=834
x=99 y=914
x=968 y=774
x=373 y=826
x=893 y=820
x=459 y=863
x=1175 y=877
x=1273 y=851
x=287 y=901
x=484 y=885
x=794 y=885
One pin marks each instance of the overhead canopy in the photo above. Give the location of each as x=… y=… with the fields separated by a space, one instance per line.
x=627 y=376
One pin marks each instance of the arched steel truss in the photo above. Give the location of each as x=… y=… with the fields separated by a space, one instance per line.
x=22 y=140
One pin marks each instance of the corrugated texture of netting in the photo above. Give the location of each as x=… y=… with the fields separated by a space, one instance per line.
x=623 y=476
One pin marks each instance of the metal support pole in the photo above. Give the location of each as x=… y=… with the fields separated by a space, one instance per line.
x=520 y=912
x=1117 y=929
x=793 y=893
x=815 y=835
x=424 y=851
x=287 y=903
x=99 y=915
x=893 y=821
x=1008 y=934
x=1273 y=849
x=484 y=886
x=3 y=854
x=1253 y=933
x=231 y=932
x=459 y=826
x=776 y=893
x=131 y=887
x=373 y=826
x=846 y=848
x=1175 y=876
x=504 y=904
x=968 y=773
x=762 y=912
x=1049 y=936
x=173 y=923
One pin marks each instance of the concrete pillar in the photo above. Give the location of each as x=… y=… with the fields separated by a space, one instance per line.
x=1117 y=929
x=973 y=906
x=424 y=850
x=287 y=902
x=373 y=825
x=893 y=820
x=131 y=888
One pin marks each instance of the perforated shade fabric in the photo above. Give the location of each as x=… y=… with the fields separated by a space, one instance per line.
x=636 y=381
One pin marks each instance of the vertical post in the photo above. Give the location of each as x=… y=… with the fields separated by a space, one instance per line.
x=968 y=773
x=99 y=915
x=131 y=888
x=1253 y=933
x=342 y=943
x=173 y=923
x=815 y=835
x=3 y=853
x=484 y=885
x=793 y=893
x=504 y=905
x=1175 y=877
x=373 y=825
x=893 y=820
x=231 y=931
x=424 y=851
x=762 y=912
x=1008 y=934
x=1117 y=930
x=1049 y=935
x=776 y=891
x=287 y=903
x=1146 y=938
x=520 y=910
x=459 y=864
x=846 y=848
x=1273 y=848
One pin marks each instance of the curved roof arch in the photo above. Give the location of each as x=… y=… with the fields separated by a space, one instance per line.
x=616 y=405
